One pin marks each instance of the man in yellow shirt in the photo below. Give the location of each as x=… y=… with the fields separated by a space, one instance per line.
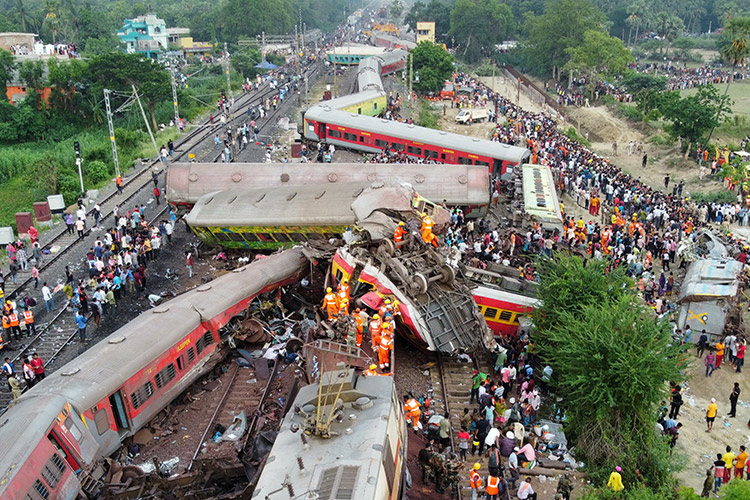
x=739 y=466
x=719 y=354
x=728 y=458
x=711 y=415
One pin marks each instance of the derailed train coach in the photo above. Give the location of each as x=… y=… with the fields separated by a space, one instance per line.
x=55 y=435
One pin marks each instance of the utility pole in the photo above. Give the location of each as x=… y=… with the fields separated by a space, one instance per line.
x=226 y=69
x=111 y=131
x=296 y=48
x=174 y=101
x=411 y=74
x=518 y=90
x=77 y=147
x=145 y=120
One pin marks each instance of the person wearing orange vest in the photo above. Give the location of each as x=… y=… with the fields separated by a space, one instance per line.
x=412 y=412
x=493 y=487
x=375 y=327
x=118 y=182
x=475 y=481
x=28 y=318
x=387 y=329
x=14 y=325
x=427 y=236
x=372 y=371
x=360 y=326
x=384 y=308
x=399 y=233
x=384 y=352
x=6 y=327
x=329 y=303
x=344 y=287
x=342 y=302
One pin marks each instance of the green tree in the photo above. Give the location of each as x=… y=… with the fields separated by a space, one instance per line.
x=692 y=117
x=560 y=27
x=7 y=65
x=611 y=360
x=637 y=18
x=735 y=490
x=598 y=55
x=244 y=62
x=648 y=101
x=734 y=45
x=636 y=82
x=477 y=25
x=433 y=65
x=118 y=71
x=32 y=73
x=436 y=11
x=396 y=8
x=52 y=17
x=668 y=27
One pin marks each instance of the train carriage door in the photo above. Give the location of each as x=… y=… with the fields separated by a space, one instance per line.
x=118 y=409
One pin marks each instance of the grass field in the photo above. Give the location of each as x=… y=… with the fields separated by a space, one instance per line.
x=739 y=91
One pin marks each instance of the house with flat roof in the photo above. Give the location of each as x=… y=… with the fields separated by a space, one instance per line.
x=145 y=35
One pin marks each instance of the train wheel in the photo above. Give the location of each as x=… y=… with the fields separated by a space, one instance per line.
x=448 y=274
x=387 y=247
x=420 y=284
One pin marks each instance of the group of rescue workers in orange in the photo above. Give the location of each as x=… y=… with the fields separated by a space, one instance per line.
x=427 y=235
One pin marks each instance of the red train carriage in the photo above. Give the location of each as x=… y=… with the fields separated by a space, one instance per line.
x=374 y=135
x=56 y=431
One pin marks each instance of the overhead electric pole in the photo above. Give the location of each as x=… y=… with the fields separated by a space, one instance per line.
x=174 y=101
x=145 y=120
x=226 y=70
x=111 y=131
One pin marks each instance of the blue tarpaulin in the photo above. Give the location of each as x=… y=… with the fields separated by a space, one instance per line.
x=266 y=65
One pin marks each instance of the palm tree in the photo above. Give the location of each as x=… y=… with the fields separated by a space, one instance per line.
x=637 y=16
x=51 y=17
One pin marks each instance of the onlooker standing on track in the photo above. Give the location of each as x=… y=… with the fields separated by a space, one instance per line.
x=733 y=398
x=118 y=183
x=81 y=321
x=189 y=263
x=69 y=221
x=28 y=318
x=157 y=193
x=35 y=275
x=38 y=366
x=28 y=374
x=49 y=300
x=80 y=226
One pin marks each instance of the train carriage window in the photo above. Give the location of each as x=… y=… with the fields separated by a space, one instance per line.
x=191 y=355
x=430 y=154
x=251 y=237
x=73 y=429
x=350 y=137
x=52 y=471
x=102 y=422
x=141 y=395
x=381 y=143
x=464 y=161
x=397 y=147
x=38 y=491
x=497 y=167
x=334 y=133
x=165 y=375
x=282 y=237
x=483 y=163
x=414 y=151
x=490 y=313
x=222 y=236
x=361 y=139
x=236 y=237
x=505 y=315
x=206 y=340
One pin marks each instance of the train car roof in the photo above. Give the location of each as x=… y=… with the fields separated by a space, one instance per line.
x=357 y=98
x=357 y=50
x=497 y=293
x=22 y=427
x=457 y=184
x=391 y=56
x=330 y=205
x=540 y=196
x=349 y=461
x=100 y=370
x=438 y=138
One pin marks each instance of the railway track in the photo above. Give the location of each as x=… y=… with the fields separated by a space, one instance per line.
x=451 y=380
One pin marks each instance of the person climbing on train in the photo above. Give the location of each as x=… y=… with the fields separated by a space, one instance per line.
x=399 y=233
x=384 y=352
x=342 y=301
x=427 y=236
x=375 y=328
x=412 y=412
x=330 y=305
x=344 y=287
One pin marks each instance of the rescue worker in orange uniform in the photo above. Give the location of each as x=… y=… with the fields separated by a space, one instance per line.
x=493 y=487
x=412 y=412
x=384 y=308
x=388 y=327
x=384 y=352
x=344 y=287
x=342 y=302
x=372 y=371
x=14 y=325
x=399 y=233
x=330 y=304
x=360 y=326
x=28 y=319
x=6 y=327
x=475 y=481
x=427 y=236
x=375 y=328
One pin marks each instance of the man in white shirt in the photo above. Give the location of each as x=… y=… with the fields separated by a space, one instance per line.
x=525 y=491
x=49 y=301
